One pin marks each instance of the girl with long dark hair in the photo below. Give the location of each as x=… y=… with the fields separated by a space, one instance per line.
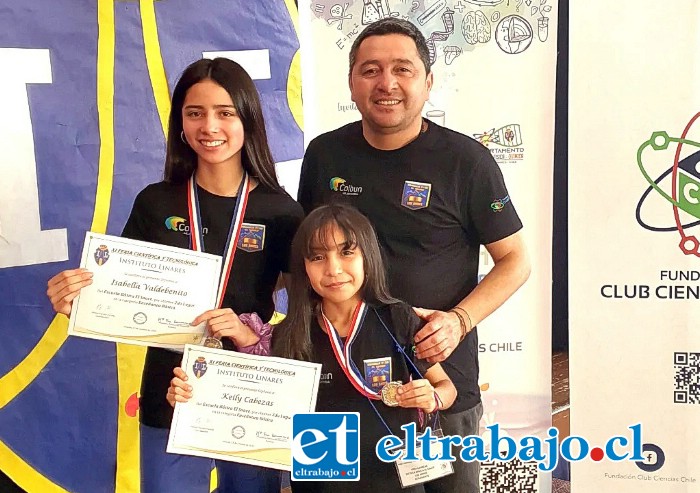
x=220 y=183
x=338 y=300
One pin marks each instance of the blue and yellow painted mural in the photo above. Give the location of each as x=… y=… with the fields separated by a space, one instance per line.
x=85 y=88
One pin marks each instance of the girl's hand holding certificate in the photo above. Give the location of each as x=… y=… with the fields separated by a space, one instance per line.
x=180 y=390
x=223 y=322
x=65 y=286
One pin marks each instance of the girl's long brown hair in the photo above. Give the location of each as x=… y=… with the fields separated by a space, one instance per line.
x=256 y=158
x=292 y=337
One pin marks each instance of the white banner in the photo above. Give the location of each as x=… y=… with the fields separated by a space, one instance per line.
x=634 y=270
x=494 y=69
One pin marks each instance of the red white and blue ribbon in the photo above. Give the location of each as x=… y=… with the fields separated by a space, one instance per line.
x=197 y=237
x=343 y=352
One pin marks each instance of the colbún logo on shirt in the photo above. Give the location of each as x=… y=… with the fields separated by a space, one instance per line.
x=338 y=184
x=175 y=223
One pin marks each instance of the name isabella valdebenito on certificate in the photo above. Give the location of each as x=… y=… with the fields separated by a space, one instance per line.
x=143 y=293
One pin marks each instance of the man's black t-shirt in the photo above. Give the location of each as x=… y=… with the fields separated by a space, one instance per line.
x=160 y=215
x=336 y=394
x=433 y=203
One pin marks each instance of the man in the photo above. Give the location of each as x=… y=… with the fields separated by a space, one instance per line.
x=434 y=196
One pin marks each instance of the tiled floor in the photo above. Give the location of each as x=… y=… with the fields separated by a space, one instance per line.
x=559 y=486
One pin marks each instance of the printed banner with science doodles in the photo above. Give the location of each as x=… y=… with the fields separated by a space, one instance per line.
x=634 y=253
x=85 y=97
x=494 y=67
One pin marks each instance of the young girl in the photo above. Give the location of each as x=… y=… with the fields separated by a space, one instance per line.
x=338 y=296
x=220 y=176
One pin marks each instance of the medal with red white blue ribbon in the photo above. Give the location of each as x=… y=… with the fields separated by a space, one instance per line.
x=197 y=236
x=343 y=354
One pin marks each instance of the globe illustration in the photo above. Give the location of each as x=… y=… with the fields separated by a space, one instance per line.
x=513 y=34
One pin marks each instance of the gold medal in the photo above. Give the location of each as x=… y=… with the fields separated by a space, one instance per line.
x=213 y=342
x=389 y=393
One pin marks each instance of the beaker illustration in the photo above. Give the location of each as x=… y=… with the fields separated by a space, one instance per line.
x=436 y=116
x=543 y=28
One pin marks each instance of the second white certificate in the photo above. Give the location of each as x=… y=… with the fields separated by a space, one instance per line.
x=242 y=406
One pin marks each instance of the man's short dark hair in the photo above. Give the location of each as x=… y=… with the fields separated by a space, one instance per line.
x=391 y=25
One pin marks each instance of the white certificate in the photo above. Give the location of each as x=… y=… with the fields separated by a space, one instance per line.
x=143 y=293
x=242 y=406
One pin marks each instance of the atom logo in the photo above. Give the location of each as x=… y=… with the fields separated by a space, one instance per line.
x=684 y=196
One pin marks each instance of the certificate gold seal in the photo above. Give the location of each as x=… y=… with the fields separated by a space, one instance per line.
x=213 y=342
x=389 y=393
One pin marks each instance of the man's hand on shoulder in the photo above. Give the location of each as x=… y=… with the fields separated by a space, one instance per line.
x=439 y=337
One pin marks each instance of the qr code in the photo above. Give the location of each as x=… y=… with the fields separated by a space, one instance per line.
x=686 y=386
x=509 y=477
